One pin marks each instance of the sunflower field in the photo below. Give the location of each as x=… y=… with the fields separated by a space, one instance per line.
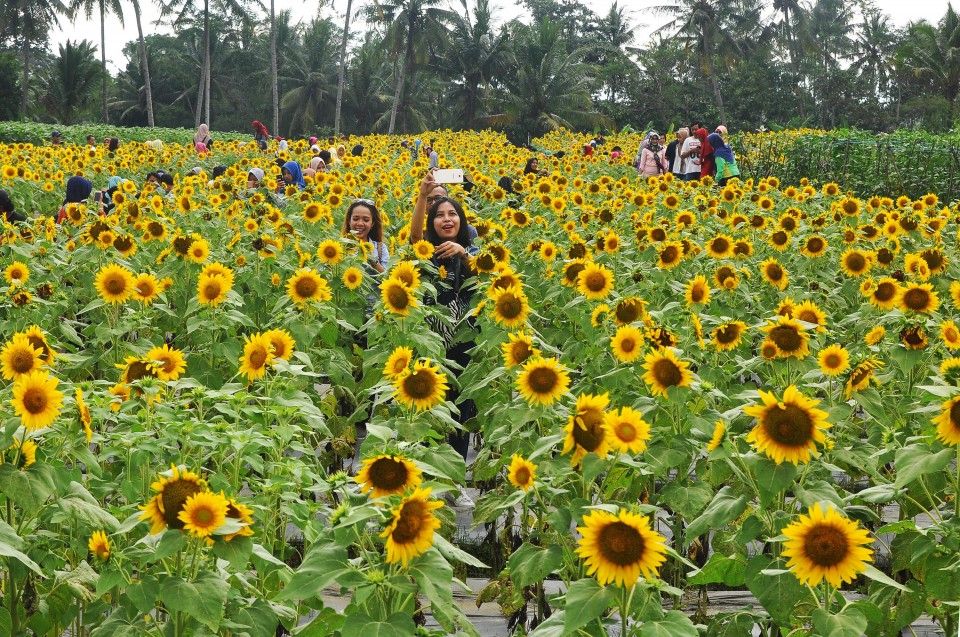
x=217 y=420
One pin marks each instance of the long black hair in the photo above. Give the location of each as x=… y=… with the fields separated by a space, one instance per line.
x=463 y=235
x=376 y=227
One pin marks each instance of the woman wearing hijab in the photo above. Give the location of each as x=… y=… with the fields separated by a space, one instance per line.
x=723 y=155
x=292 y=176
x=78 y=191
x=202 y=138
x=653 y=161
x=707 y=166
x=314 y=168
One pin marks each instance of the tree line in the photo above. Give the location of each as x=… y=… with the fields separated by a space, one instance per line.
x=426 y=64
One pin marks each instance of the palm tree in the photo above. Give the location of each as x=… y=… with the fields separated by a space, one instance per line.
x=144 y=63
x=873 y=50
x=414 y=25
x=342 y=73
x=104 y=6
x=311 y=80
x=794 y=29
x=934 y=52
x=613 y=33
x=71 y=77
x=30 y=21
x=366 y=94
x=474 y=56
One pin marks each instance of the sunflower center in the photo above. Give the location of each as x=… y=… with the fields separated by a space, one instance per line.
x=388 y=474
x=667 y=373
x=955 y=415
x=212 y=289
x=788 y=425
x=35 y=400
x=669 y=254
x=412 y=516
x=775 y=272
x=202 y=516
x=542 y=380
x=173 y=497
x=522 y=475
x=620 y=544
x=727 y=334
x=786 y=338
x=916 y=299
x=419 y=385
x=815 y=244
x=832 y=360
x=595 y=281
x=589 y=432
x=720 y=245
x=697 y=293
x=398 y=297
x=258 y=357
x=826 y=545
x=574 y=271
x=22 y=361
x=306 y=287
x=137 y=370
x=627 y=345
x=884 y=291
x=625 y=431
x=115 y=285
x=627 y=311
x=521 y=351
x=856 y=262
x=509 y=306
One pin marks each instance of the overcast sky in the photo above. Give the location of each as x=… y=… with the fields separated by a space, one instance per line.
x=900 y=11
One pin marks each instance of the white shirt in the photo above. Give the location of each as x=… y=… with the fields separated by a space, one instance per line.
x=692 y=163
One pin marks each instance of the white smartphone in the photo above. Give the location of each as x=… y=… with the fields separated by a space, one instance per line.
x=448 y=175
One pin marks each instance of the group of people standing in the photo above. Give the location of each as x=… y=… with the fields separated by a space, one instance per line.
x=693 y=154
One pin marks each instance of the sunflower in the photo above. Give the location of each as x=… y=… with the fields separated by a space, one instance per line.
x=948 y=422
x=282 y=342
x=242 y=514
x=410 y=532
x=787 y=429
x=307 y=285
x=573 y=269
x=669 y=255
x=950 y=335
x=330 y=252
x=135 y=368
x=16 y=273
x=99 y=545
x=885 y=294
x=352 y=278
x=19 y=357
x=518 y=348
x=398 y=362
x=199 y=250
x=173 y=488
x=728 y=335
x=875 y=335
x=664 y=370
x=627 y=344
x=406 y=272
x=719 y=430
x=595 y=281
x=212 y=289
x=146 y=288
x=385 y=475
x=84 y=413
x=810 y=312
x=114 y=283
x=824 y=545
x=833 y=360
x=397 y=297
x=168 y=363
x=585 y=428
x=720 y=246
x=789 y=336
x=861 y=376
x=914 y=337
x=697 y=291
x=257 y=356
x=918 y=297
x=510 y=307
x=36 y=399
x=542 y=381
x=521 y=472
x=774 y=273
x=627 y=431
x=422 y=388
x=619 y=548
x=854 y=263
x=203 y=513
x=814 y=246
x=423 y=249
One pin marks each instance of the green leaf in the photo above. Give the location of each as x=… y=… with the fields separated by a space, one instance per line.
x=531 y=564
x=326 y=623
x=720 y=569
x=724 y=508
x=849 y=622
x=917 y=460
x=144 y=593
x=878 y=576
x=779 y=593
x=687 y=500
x=203 y=600
x=673 y=624
x=397 y=625
x=237 y=551
x=8 y=551
x=772 y=479
x=322 y=565
x=452 y=552
x=585 y=601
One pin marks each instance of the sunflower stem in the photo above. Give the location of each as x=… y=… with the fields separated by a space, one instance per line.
x=956 y=490
x=625 y=598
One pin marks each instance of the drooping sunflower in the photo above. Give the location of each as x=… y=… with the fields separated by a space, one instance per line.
x=397 y=297
x=172 y=488
x=168 y=363
x=620 y=548
x=509 y=307
x=84 y=413
x=595 y=282
x=787 y=429
x=627 y=343
x=203 y=513
x=410 y=532
x=352 y=278
x=99 y=545
x=663 y=370
x=542 y=381
x=282 y=342
x=257 y=356
x=385 y=475
x=521 y=472
x=861 y=376
x=697 y=291
x=918 y=297
x=948 y=422
x=422 y=388
x=585 y=428
x=774 y=273
x=19 y=357
x=789 y=336
x=114 y=283
x=212 y=289
x=833 y=360
x=719 y=430
x=914 y=337
x=518 y=348
x=627 y=431
x=36 y=399
x=824 y=545
x=727 y=336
